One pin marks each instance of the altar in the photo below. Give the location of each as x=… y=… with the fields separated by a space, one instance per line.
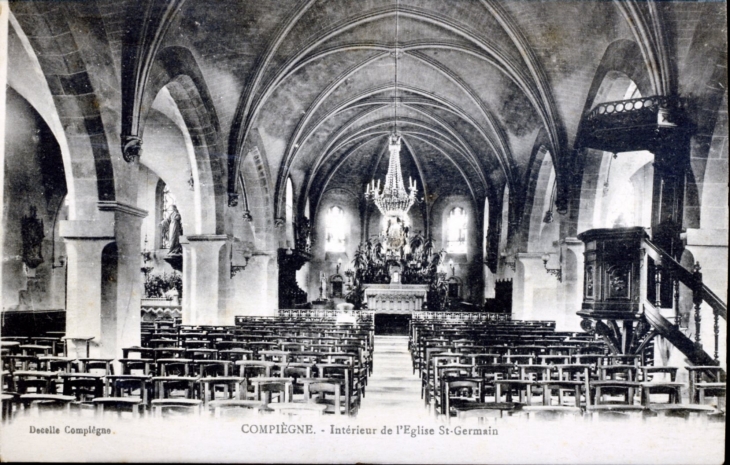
x=395 y=298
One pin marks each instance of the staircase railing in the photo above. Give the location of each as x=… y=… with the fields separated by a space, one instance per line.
x=665 y=265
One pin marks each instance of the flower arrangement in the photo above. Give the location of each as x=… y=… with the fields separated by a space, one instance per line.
x=416 y=258
x=157 y=285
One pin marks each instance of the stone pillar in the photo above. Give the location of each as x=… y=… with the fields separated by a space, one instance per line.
x=109 y=312
x=126 y=330
x=250 y=290
x=530 y=271
x=85 y=241
x=4 y=18
x=200 y=278
x=573 y=270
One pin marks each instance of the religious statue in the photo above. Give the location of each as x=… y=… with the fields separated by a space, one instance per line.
x=172 y=230
x=322 y=286
x=31 y=229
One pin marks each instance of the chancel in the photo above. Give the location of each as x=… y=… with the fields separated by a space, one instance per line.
x=470 y=209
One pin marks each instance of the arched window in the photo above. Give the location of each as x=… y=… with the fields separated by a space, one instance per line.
x=165 y=201
x=456 y=231
x=289 y=213
x=336 y=227
x=504 y=224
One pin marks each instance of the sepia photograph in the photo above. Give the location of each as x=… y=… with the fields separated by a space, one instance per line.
x=364 y=231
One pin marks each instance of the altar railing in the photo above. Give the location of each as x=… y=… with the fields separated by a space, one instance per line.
x=460 y=316
x=160 y=308
x=324 y=314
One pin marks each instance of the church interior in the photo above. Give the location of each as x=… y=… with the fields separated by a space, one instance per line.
x=481 y=209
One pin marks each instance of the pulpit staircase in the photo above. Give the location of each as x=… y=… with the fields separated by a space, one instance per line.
x=665 y=265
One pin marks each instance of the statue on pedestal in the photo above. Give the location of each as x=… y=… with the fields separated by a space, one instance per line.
x=322 y=286
x=172 y=230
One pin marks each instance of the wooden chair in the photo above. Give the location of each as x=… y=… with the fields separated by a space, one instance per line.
x=570 y=378
x=7 y=401
x=706 y=381
x=103 y=405
x=36 y=349
x=20 y=362
x=235 y=354
x=168 y=352
x=249 y=369
x=164 y=386
x=616 y=411
x=234 y=405
x=430 y=382
x=345 y=373
x=328 y=392
x=159 y=406
x=673 y=389
x=460 y=391
x=442 y=373
x=56 y=363
x=297 y=409
x=35 y=401
x=483 y=411
x=233 y=387
x=209 y=367
x=626 y=389
x=40 y=382
x=135 y=386
x=551 y=412
x=83 y=386
x=685 y=411
x=96 y=365
x=508 y=387
x=174 y=366
x=490 y=373
x=266 y=389
x=56 y=343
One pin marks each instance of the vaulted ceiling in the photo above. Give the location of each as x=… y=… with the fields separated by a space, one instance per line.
x=479 y=82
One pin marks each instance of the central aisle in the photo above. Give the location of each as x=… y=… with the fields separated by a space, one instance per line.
x=393 y=387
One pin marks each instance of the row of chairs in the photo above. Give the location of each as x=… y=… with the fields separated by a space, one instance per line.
x=461 y=367
x=294 y=362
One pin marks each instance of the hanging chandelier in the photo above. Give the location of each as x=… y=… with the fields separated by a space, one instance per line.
x=393 y=200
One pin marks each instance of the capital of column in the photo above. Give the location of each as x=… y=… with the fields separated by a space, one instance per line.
x=530 y=260
x=87 y=230
x=200 y=242
x=573 y=243
x=527 y=256
x=131 y=148
x=120 y=207
x=205 y=238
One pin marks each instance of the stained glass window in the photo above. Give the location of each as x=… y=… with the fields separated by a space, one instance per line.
x=456 y=231
x=336 y=230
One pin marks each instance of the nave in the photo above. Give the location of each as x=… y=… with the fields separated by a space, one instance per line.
x=442 y=369
x=205 y=206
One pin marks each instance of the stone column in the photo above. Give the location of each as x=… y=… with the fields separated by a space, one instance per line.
x=200 y=278
x=110 y=314
x=126 y=310
x=4 y=17
x=530 y=271
x=85 y=241
x=572 y=266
